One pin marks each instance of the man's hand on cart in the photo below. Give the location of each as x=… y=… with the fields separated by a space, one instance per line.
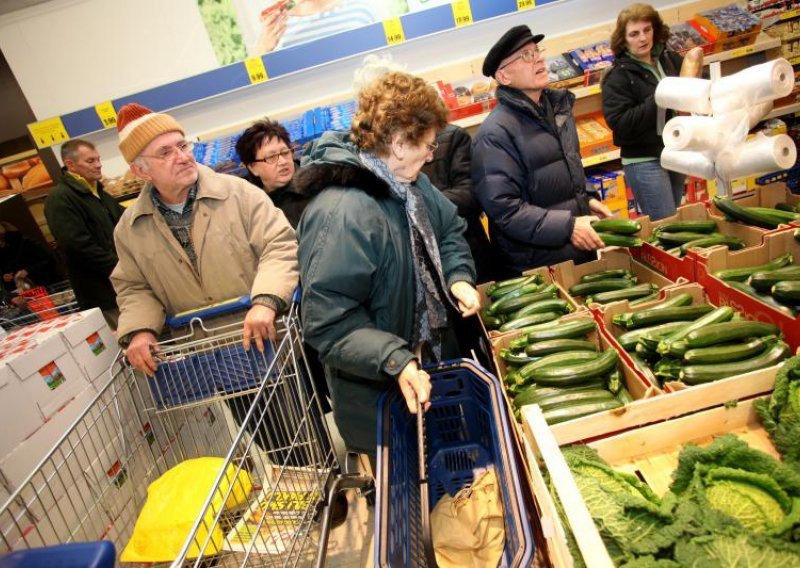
x=415 y=384
x=259 y=326
x=141 y=352
x=469 y=300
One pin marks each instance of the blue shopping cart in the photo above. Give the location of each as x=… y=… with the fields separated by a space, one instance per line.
x=465 y=430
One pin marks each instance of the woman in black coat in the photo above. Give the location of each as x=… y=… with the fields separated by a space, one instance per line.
x=629 y=107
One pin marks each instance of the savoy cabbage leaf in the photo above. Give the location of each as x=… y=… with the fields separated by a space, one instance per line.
x=780 y=414
x=736 y=551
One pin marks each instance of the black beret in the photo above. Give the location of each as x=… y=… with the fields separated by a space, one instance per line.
x=512 y=40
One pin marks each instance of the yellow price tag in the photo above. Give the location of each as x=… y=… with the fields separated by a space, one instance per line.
x=393 y=28
x=742 y=51
x=790 y=14
x=256 y=70
x=462 y=13
x=48 y=132
x=107 y=114
x=593 y=90
x=525 y=5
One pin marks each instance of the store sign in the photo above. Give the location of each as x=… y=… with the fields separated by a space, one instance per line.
x=107 y=114
x=525 y=4
x=256 y=70
x=48 y=132
x=393 y=28
x=462 y=13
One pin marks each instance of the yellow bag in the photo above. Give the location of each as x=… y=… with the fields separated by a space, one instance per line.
x=174 y=501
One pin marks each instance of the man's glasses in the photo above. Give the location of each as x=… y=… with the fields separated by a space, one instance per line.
x=172 y=152
x=273 y=158
x=528 y=56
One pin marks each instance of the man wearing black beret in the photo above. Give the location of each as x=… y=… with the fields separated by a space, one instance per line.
x=526 y=164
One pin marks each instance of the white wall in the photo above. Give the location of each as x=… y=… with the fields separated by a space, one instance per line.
x=71 y=54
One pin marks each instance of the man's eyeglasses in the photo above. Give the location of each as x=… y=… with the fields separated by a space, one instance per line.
x=528 y=56
x=172 y=152
x=273 y=158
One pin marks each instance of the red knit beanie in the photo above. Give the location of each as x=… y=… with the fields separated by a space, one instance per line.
x=138 y=126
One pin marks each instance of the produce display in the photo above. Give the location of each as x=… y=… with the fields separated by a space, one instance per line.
x=780 y=413
x=522 y=302
x=764 y=217
x=776 y=283
x=612 y=285
x=618 y=232
x=680 y=236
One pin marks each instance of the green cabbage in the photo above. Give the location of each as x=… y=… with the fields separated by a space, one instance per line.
x=780 y=413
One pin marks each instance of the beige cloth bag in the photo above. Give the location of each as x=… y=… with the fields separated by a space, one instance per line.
x=468 y=529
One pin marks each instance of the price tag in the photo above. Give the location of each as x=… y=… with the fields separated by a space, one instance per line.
x=525 y=5
x=107 y=114
x=593 y=90
x=393 y=28
x=742 y=51
x=790 y=14
x=255 y=70
x=462 y=13
x=48 y=132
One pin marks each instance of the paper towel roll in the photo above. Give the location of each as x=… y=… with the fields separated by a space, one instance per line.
x=751 y=86
x=758 y=112
x=762 y=154
x=695 y=164
x=700 y=133
x=685 y=94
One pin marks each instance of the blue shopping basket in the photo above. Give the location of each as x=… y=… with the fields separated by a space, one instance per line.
x=76 y=555
x=467 y=430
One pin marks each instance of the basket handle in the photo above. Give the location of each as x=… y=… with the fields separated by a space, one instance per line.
x=424 y=490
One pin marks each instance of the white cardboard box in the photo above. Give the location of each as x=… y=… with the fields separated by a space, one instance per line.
x=92 y=343
x=19 y=415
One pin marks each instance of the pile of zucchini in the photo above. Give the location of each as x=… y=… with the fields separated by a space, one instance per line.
x=522 y=302
x=618 y=232
x=558 y=368
x=679 y=236
x=776 y=283
x=697 y=343
x=612 y=285
x=764 y=217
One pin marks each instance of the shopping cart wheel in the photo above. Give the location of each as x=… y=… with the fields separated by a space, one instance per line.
x=78 y=555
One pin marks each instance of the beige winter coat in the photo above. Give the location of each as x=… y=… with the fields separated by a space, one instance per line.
x=244 y=245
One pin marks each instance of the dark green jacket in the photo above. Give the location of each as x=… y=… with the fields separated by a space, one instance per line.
x=357 y=275
x=83 y=227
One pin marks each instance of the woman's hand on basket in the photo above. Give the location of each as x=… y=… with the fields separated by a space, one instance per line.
x=415 y=385
x=141 y=352
x=469 y=300
x=259 y=326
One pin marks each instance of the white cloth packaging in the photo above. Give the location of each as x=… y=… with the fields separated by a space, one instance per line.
x=697 y=164
x=699 y=133
x=685 y=94
x=762 y=154
x=752 y=86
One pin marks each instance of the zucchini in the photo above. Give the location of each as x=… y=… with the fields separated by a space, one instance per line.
x=569 y=330
x=769 y=300
x=719 y=315
x=728 y=353
x=521 y=297
x=668 y=369
x=565 y=413
x=607 y=274
x=682 y=299
x=590 y=288
x=615 y=240
x=764 y=281
x=515 y=358
x=542 y=348
x=644 y=352
x=719 y=333
x=786 y=207
x=797 y=235
x=500 y=289
x=699 y=374
x=645 y=299
x=745 y=214
x=629 y=339
x=675 y=239
x=786 y=217
x=654 y=316
x=530 y=394
x=547 y=305
x=733 y=243
x=624 y=396
x=632 y=293
x=530 y=320
x=742 y=274
x=787 y=291
x=556 y=359
x=577 y=373
x=492 y=322
x=704 y=227
x=641 y=366
x=573 y=398
x=617 y=226
x=614 y=381
x=651 y=340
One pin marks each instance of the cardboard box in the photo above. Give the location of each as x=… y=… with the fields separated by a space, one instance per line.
x=567 y=274
x=92 y=343
x=674 y=267
x=19 y=413
x=764 y=196
x=775 y=244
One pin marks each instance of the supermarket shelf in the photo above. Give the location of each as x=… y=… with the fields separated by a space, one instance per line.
x=794 y=60
x=600 y=158
x=784 y=110
x=763 y=43
x=790 y=14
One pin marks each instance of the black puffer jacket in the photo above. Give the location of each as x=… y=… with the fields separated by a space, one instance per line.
x=449 y=172
x=528 y=177
x=629 y=104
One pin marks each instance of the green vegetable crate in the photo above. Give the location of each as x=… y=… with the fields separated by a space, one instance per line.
x=648 y=452
x=614 y=265
x=776 y=244
x=674 y=266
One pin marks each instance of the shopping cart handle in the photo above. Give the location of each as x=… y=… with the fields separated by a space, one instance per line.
x=207 y=312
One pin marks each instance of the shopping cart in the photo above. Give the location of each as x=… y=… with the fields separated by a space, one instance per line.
x=465 y=430
x=41 y=303
x=93 y=484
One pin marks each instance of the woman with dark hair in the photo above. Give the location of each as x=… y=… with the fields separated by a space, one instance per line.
x=266 y=151
x=629 y=106
x=384 y=264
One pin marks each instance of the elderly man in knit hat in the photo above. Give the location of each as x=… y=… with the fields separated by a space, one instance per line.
x=526 y=164
x=193 y=238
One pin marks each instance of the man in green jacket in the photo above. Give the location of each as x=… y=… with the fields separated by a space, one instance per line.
x=82 y=218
